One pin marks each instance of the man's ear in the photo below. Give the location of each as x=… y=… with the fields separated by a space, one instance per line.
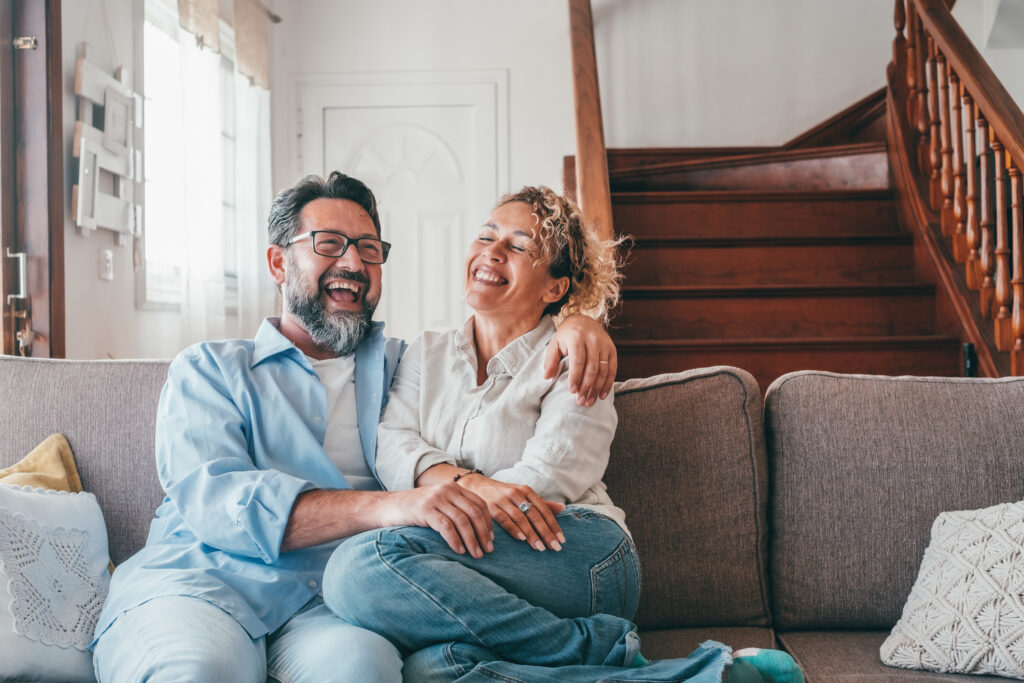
x=276 y=261
x=556 y=291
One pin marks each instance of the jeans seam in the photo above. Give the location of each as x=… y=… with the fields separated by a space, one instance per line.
x=422 y=590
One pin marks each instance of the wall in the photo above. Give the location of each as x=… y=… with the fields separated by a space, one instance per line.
x=996 y=28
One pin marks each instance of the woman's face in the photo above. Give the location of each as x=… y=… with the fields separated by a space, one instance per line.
x=505 y=273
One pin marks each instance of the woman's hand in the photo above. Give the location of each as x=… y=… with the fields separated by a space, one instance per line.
x=592 y=358
x=537 y=526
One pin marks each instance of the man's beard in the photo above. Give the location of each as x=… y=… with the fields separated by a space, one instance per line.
x=340 y=331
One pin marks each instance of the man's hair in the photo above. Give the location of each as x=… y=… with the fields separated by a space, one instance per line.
x=283 y=222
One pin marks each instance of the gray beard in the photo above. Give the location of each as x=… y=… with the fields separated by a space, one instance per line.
x=341 y=331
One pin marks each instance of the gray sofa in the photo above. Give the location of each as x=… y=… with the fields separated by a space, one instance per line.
x=797 y=522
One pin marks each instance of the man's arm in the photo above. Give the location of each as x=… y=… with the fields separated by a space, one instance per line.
x=593 y=360
x=460 y=516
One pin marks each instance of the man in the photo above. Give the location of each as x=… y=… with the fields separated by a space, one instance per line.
x=265 y=450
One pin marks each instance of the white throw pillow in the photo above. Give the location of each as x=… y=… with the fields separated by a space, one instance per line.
x=53 y=580
x=965 y=612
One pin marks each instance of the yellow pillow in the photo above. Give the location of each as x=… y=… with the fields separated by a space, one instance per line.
x=50 y=465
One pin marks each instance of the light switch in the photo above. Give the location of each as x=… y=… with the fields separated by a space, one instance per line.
x=106 y=264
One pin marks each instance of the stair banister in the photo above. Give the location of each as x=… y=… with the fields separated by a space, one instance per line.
x=592 y=188
x=972 y=177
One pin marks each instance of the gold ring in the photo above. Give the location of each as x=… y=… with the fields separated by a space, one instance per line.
x=603 y=362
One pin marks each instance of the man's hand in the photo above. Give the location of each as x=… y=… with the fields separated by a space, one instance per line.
x=537 y=526
x=593 y=360
x=459 y=515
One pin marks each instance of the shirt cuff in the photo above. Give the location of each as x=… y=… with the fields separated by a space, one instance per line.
x=264 y=514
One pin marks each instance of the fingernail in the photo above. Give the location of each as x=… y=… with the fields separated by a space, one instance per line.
x=590 y=403
x=561 y=537
x=539 y=546
x=556 y=545
x=573 y=388
x=490 y=547
x=521 y=537
x=604 y=395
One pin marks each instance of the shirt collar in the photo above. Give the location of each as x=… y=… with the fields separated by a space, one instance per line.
x=270 y=342
x=515 y=354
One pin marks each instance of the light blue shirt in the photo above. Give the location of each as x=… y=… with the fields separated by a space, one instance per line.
x=239 y=435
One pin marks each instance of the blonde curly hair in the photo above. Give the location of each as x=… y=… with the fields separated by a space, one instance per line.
x=572 y=250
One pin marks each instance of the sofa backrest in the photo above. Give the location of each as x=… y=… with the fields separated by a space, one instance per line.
x=860 y=467
x=688 y=466
x=107 y=411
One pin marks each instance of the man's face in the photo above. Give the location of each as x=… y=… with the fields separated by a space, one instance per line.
x=332 y=298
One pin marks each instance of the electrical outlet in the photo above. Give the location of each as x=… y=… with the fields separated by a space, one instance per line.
x=106 y=264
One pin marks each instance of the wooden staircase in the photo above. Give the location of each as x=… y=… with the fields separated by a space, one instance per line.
x=773 y=260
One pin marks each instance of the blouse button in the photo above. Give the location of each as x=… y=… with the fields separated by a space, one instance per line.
x=317 y=419
x=312 y=583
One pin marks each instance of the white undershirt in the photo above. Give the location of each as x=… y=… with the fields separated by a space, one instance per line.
x=341 y=443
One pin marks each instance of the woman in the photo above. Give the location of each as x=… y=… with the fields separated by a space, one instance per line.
x=467 y=406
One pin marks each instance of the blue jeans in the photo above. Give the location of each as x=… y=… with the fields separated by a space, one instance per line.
x=562 y=613
x=183 y=638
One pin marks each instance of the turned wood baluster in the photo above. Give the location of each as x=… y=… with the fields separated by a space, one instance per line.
x=911 y=65
x=923 y=124
x=947 y=146
x=1017 y=356
x=959 y=201
x=1004 y=294
x=986 y=255
x=934 y=147
x=972 y=268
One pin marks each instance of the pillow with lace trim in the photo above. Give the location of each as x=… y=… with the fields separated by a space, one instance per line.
x=53 y=581
x=964 y=613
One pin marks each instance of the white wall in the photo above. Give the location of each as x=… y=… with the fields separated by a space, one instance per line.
x=997 y=22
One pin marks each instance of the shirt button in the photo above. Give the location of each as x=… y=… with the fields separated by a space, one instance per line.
x=312 y=583
x=317 y=419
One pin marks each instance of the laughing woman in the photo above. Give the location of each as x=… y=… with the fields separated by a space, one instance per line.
x=549 y=595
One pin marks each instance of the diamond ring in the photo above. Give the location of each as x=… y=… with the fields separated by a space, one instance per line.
x=525 y=506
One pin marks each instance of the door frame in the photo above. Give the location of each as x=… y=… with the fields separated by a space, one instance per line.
x=32 y=177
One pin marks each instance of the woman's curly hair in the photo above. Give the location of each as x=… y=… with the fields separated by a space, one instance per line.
x=573 y=250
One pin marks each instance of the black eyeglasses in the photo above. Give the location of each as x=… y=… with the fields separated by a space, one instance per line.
x=334 y=245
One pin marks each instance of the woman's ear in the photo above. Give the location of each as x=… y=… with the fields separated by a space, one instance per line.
x=276 y=262
x=559 y=286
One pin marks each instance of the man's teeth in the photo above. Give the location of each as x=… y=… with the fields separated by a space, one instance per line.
x=351 y=286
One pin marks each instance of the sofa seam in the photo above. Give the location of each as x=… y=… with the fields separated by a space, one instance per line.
x=685 y=380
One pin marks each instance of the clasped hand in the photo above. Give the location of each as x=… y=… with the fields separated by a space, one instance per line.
x=463 y=512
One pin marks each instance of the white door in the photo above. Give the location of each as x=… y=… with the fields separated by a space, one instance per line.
x=435 y=155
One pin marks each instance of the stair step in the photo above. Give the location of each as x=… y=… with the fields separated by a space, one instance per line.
x=767 y=359
x=774 y=311
x=863 y=166
x=771 y=261
x=753 y=214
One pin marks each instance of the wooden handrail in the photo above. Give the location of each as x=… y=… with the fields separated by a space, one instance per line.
x=1003 y=114
x=967 y=158
x=593 y=192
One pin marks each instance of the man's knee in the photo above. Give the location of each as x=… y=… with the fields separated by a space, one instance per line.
x=175 y=639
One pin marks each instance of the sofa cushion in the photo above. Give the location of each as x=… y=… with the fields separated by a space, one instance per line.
x=861 y=466
x=688 y=467
x=679 y=642
x=107 y=411
x=852 y=657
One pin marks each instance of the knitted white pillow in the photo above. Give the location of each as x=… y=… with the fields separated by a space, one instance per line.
x=965 y=612
x=53 y=580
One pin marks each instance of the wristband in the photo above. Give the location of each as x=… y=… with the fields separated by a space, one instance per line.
x=460 y=475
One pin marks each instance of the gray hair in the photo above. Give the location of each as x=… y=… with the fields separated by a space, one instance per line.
x=283 y=222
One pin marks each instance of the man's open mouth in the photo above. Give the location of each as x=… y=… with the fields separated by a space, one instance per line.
x=343 y=291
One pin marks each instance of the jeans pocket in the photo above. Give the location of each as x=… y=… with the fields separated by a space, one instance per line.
x=615 y=582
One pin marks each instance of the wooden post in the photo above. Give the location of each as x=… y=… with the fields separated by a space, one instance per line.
x=972 y=267
x=941 y=69
x=959 y=201
x=987 y=258
x=923 y=124
x=911 y=65
x=1017 y=355
x=1003 y=321
x=592 y=189
x=935 y=145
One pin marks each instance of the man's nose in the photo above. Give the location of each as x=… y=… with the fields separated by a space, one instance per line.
x=350 y=259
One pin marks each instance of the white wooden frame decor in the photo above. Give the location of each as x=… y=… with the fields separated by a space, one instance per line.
x=116 y=149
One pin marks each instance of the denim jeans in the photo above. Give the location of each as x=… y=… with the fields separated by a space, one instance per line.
x=522 y=608
x=183 y=638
